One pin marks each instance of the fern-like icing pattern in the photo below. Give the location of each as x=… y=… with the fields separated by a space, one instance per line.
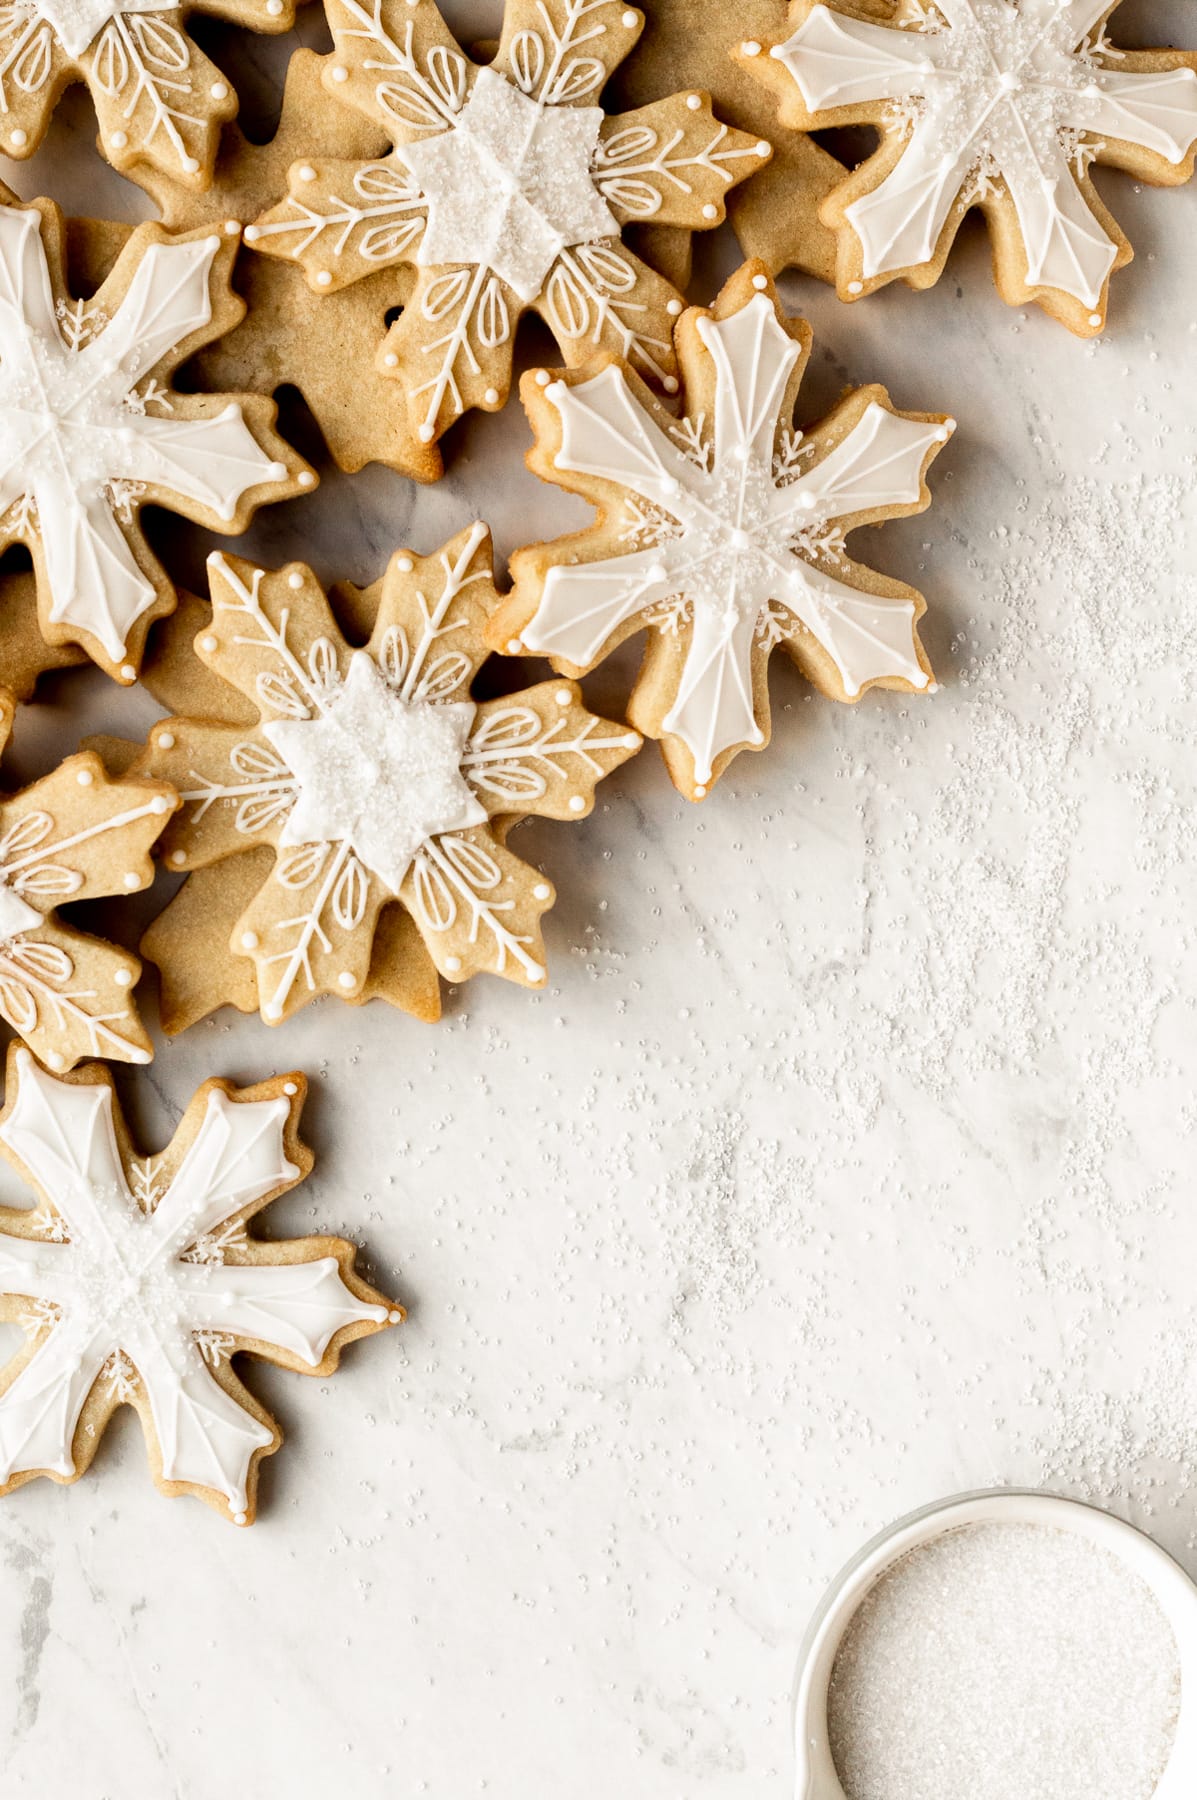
x=375 y=775
x=158 y=98
x=733 y=529
x=143 y=1285
x=1018 y=92
x=507 y=189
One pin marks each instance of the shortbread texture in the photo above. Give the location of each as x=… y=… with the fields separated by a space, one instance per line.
x=350 y=840
x=721 y=533
x=1004 y=105
x=74 y=835
x=137 y=1280
x=159 y=101
x=92 y=428
x=506 y=189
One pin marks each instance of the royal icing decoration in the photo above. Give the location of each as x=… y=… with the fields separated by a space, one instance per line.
x=986 y=95
x=730 y=529
x=158 y=99
x=375 y=776
x=507 y=189
x=90 y=426
x=74 y=835
x=137 y=1282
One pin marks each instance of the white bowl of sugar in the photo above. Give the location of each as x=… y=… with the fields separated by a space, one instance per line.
x=1002 y=1645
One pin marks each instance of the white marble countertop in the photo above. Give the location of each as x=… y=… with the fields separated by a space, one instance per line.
x=846 y=1161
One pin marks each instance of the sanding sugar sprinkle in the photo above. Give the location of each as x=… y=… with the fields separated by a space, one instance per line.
x=1005 y=1662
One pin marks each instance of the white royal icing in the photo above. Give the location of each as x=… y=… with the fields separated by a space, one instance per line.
x=377 y=771
x=993 y=89
x=16 y=914
x=77 y=441
x=728 y=539
x=142 y=1277
x=76 y=23
x=510 y=185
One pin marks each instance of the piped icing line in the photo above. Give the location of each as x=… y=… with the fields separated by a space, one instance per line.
x=735 y=533
x=137 y=1282
x=89 y=427
x=375 y=776
x=1019 y=94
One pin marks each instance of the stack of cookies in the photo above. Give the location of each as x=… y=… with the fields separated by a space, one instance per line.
x=339 y=805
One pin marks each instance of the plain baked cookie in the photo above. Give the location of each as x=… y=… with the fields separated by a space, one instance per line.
x=507 y=190
x=293 y=334
x=1004 y=105
x=721 y=532
x=203 y=1288
x=348 y=825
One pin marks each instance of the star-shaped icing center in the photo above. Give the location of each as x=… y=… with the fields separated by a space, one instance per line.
x=509 y=187
x=377 y=771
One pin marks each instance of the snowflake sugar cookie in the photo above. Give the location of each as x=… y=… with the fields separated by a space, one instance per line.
x=138 y=1281
x=158 y=99
x=91 y=429
x=73 y=835
x=722 y=533
x=368 y=777
x=507 y=189
x=998 y=104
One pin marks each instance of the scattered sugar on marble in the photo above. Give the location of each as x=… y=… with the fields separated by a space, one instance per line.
x=1005 y=1662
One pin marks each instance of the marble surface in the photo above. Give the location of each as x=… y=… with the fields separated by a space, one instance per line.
x=846 y=1161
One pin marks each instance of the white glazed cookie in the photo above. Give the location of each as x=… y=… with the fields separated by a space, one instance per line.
x=999 y=104
x=91 y=428
x=372 y=792
x=74 y=835
x=158 y=99
x=722 y=532
x=507 y=190
x=137 y=1280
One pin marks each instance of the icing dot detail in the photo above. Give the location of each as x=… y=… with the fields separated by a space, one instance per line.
x=390 y=360
x=295 y=579
x=577 y=803
x=394 y=1316
x=250 y=940
x=219 y=90
x=426 y=434
x=305 y=478
x=131 y=879
x=405 y=564
x=514 y=647
x=760 y=283
x=670 y=384
x=307 y=173
x=856 y=287
x=673 y=308
x=340 y=72
x=85 y=778
x=323 y=278
x=543 y=378
x=541 y=891
x=252 y=234
x=693 y=101
x=290 y=1088
x=346 y=979
x=710 y=210
x=56 y=1059
x=453 y=964
x=208 y=644
x=123 y=978
x=165 y=740
x=191 y=164
x=274 y=8
x=563 y=696
x=630 y=20
x=21 y=138
x=750 y=47
x=764 y=147
x=159 y=804
x=491 y=396
x=178 y=858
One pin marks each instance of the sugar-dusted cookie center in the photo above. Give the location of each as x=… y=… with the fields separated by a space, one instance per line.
x=76 y=23
x=509 y=187
x=377 y=771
